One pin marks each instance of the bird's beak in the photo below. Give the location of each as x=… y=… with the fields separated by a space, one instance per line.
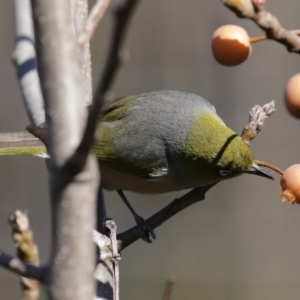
x=257 y=170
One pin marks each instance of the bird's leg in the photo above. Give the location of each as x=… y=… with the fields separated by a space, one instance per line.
x=145 y=229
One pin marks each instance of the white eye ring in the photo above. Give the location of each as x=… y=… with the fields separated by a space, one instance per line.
x=225 y=172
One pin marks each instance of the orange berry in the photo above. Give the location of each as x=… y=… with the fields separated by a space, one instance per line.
x=290 y=183
x=292 y=95
x=231 y=45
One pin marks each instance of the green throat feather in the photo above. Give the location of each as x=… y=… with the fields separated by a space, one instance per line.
x=222 y=148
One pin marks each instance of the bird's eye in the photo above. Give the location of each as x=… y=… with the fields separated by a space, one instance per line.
x=225 y=172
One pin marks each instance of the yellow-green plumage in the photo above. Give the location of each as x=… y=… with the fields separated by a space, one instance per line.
x=161 y=142
x=229 y=143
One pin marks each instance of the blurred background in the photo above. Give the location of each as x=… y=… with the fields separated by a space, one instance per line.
x=241 y=242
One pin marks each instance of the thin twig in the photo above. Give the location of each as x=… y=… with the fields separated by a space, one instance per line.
x=17 y=266
x=24 y=57
x=104 y=270
x=112 y=227
x=169 y=285
x=128 y=237
x=26 y=250
x=123 y=15
x=94 y=18
x=79 y=16
x=257 y=116
x=101 y=211
x=254 y=10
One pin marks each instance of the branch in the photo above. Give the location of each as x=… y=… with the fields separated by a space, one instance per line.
x=257 y=116
x=73 y=193
x=23 y=269
x=95 y=16
x=79 y=17
x=112 y=228
x=24 y=58
x=254 y=10
x=26 y=250
x=104 y=271
x=169 y=285
x=113 y=62
x=130 y=236
x=122 y=17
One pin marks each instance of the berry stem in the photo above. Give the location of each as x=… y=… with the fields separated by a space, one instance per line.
x=261 y=38
x=268 y=165
x=257 y=39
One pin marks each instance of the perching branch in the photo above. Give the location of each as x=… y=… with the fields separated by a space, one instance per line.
x=24 y=57
x=26 y=250
x=257 y=116
x=130 y=236
x=254 y=10
x=21 y=268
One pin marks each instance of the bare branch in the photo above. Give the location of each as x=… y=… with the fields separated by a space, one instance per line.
x=122 y=17
x=21 y=268
x=130 y=236
x=107 y=270
x=24 y=57
x=95 y=16
x=26 y=250
x=169 y=285
x=254 y=10
x=104 y=270
x=101 y=212
x=79 y=17
x=73 y=190
x=113 y=62
x=257 y=116
x=112 y=227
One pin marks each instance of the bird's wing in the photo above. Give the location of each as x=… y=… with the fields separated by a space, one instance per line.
x=125 y=143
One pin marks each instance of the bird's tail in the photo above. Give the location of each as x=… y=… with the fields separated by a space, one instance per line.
x=21 y=143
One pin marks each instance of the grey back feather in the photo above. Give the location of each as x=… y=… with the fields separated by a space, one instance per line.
x=151 y=128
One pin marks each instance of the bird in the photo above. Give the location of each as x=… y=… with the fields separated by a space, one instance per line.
x=157 y=142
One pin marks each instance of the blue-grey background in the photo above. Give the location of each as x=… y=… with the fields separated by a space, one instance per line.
x=241 y=242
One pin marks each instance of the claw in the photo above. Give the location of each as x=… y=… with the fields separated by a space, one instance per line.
x=145 y=230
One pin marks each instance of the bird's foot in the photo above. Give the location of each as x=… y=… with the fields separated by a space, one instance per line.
x=146 y=231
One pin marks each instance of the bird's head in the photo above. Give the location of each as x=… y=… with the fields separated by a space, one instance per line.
x=235 y=158
x=221 y=151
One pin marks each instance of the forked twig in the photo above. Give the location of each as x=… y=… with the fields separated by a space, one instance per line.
x=95 y=16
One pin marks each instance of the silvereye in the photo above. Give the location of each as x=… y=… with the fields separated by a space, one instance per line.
x=157 y=142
